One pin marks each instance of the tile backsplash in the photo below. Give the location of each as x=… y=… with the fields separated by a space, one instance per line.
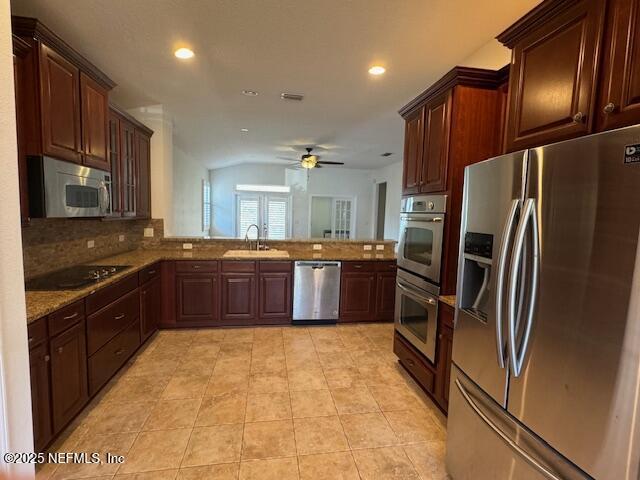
x=52 y=244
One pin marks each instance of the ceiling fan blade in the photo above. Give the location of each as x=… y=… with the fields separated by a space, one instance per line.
x=317 y=166
x=331 y=163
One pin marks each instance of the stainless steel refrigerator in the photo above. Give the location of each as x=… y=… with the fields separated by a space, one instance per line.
x=546 y=350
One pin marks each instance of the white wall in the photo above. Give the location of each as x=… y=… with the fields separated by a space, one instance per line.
x=392 y=174
x=188 y=175
x=16 y=434
x=159 y=120
x=492 y=55
x=327 y=181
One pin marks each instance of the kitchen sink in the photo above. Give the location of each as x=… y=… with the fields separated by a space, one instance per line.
x=256 y=254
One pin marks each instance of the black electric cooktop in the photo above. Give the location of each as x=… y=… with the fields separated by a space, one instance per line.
x=74 y=278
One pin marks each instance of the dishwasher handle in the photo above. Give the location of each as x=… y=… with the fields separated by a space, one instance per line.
x=317 y=265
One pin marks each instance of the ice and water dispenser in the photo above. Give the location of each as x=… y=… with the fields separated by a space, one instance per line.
x=477 y=271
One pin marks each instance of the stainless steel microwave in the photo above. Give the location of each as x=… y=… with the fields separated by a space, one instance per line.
x=62 y=189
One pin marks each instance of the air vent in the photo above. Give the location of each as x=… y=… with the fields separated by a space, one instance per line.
x=386 y=154
x=291 y=96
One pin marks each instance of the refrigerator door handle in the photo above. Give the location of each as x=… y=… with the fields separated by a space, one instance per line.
x=502 y=263
x=528 y=216
x=512 y=444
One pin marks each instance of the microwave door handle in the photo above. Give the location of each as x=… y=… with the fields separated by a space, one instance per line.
x=104 y=198
x=500 y=276
x=412 y=292
x=528 y=210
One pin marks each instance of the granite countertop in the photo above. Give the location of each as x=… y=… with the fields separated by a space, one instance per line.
x=41 y=303
x=448 y=299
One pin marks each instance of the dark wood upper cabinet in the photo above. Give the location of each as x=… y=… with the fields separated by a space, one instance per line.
x=413 y=143
x=129 y=169
x=115 y=164
x=433 y=176
x=619 y=96
x=60 y=108
x=554 y=71
x=68 y=375
x=150 y=307
x=95 y=118
x=197 y=299
x=20 y=51
x=39 y=360
x=143 y=163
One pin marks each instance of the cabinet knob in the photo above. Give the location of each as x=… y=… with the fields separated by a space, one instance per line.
x=410 y=362
x=579 y=117
x=46 y=358
x=60 y=349
x=609 y=107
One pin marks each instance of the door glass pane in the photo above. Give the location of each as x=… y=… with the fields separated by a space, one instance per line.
x=277 y=215
x=248 y=208
x=414 y=316
x=418 y=245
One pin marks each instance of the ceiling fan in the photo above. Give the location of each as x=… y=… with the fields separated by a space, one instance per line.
x=309 y=160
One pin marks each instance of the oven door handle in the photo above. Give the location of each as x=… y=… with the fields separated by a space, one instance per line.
x=410 y=291
x=422 y=219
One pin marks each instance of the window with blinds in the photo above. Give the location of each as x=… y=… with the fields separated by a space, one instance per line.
x=206 y=206
x=270 y=212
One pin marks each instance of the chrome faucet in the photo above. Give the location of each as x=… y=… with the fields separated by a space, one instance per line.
x=246 y=236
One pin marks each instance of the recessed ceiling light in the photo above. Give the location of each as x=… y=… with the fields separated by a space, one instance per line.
x=184 y=53
x=244 y=130
x=250 y=93
x=377 y=70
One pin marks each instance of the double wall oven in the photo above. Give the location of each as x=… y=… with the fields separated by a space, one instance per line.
x=422 y=221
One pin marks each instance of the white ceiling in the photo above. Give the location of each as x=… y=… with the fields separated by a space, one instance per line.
x=320 y=48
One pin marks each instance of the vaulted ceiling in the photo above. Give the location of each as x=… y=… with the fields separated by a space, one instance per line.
x=319 y=48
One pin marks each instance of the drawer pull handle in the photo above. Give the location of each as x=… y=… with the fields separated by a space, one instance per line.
x=410 y=362
x=196 y=267
x=119 y=352
x=152 y=272
x=120 y=317
x=357 y=266
x=69 y=317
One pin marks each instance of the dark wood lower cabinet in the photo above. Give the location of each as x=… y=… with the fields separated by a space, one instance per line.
x=385 y=295
x=197 y=299
x=414 y=363
x=238 y=298
x=275 y=296
x=444 y=347
x=367 y=291
x=68 y=375
x=150 y=307
x=39 y=361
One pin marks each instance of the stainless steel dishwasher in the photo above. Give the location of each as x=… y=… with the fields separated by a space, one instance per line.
x=316 y=292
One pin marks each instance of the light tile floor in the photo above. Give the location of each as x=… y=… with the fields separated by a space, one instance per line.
x=261 y=403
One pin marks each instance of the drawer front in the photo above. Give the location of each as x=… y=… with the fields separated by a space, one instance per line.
x=108 y=360
x=194 y=266
x=386 y=266
x=102 y=326
x=239 y=266
x=149 y=273
x=276 y=267
x=37 y=332
x=413 y=363
x=103 y=297
x=66 y=317
x=358 y=266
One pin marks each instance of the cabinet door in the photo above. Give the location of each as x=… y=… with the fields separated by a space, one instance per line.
x=433 y=172
x=95 y=118
x=197 y=299
x=68 y=375
x=18 y=82
x=385 y=295
x=40 y=396
x=357 y=297
x=60 y=106
x=619 y=99
x=150 y=308
x=552 y=78
x=129 y=170
x=116 y=165
x=143 y=161
x=238 y=298
x=275 y=298
x=413 y=138
x=444 y=347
